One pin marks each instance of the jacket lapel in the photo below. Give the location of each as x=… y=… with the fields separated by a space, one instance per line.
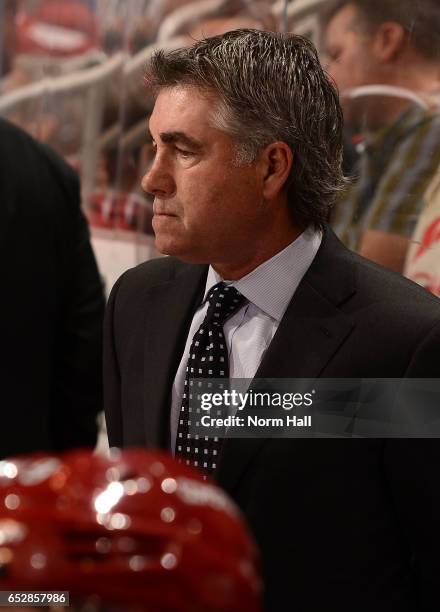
x=170 y=309
x=309 y=335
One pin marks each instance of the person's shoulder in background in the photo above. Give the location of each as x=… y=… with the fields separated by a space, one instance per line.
x=53 y=302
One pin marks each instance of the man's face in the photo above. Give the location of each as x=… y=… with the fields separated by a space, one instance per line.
x=207 y=209
x=350 y=58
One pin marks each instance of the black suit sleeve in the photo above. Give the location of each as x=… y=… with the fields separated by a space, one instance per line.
x=78 y=370
x=77 y=393
x=413 y=469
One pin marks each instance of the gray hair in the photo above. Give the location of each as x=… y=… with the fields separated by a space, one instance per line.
x=270 y=87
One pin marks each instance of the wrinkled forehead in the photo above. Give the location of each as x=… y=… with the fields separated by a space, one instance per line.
x=184 y=105
x=188 y=91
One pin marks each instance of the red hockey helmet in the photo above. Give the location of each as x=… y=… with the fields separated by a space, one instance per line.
x=137 y=529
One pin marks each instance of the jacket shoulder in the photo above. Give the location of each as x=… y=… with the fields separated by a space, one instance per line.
x=378 y=301
x=374 y=285
x=153 y=272
x=392 y=288
x=147 y=275
x=43 y=177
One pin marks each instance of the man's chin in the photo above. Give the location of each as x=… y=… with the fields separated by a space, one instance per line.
x=165 y=244
x=183 y=252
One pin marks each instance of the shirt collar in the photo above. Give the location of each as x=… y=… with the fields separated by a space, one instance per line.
x=271 y=286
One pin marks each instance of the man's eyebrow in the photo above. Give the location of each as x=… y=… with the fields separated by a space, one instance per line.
x=180 y=137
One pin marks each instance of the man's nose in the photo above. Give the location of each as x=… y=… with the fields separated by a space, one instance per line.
x=158 y=180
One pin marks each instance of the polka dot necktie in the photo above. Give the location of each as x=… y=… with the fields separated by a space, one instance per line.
x=208 y=358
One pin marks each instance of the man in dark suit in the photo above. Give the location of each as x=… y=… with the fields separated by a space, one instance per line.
x=52 y=303
x=247 y=131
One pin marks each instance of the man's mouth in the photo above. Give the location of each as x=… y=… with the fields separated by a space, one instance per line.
x=163 y=213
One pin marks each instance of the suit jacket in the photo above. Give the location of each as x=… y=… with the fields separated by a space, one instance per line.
x=342 y=524
x=52 y=303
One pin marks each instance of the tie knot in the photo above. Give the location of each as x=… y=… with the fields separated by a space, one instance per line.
x=223 y=301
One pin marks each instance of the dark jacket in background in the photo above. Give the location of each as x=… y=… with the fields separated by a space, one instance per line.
x=51 y=303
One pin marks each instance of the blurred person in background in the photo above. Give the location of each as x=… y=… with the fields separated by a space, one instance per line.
x=385 y=58
x=52 y=303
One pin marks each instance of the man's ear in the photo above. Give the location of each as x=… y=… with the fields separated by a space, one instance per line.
x=389 y=40
x=276 y=162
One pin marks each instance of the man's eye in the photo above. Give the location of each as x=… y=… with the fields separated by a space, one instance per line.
x=333 y=56
x=184 y=152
